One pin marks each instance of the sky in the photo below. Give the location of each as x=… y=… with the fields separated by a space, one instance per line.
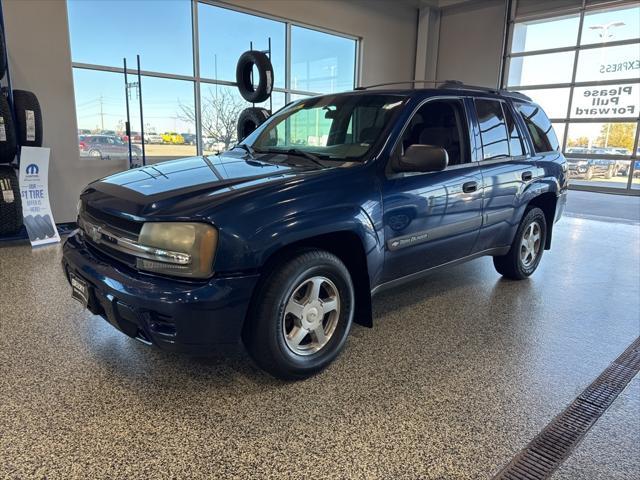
x=104 y=31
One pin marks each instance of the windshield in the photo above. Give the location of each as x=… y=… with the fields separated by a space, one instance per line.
x=340 y=127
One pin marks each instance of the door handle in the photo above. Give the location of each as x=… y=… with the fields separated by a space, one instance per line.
x=469 y=187
x=527 y=176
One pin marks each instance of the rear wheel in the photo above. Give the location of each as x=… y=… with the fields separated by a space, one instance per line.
x=526 y=250
x=302 y=315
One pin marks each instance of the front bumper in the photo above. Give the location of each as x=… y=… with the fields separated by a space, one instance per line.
x=180 y=316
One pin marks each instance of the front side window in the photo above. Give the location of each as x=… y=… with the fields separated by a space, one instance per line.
x=441 y=123
x=493 y=129
x=540 y=128
x=342 y=127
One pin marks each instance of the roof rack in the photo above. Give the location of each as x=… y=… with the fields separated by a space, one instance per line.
x=452 y=84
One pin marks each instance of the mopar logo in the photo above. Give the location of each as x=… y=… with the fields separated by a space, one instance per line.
x=32 y=169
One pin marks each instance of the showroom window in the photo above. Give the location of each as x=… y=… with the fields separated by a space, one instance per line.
x=583 y=68
x=188 y=52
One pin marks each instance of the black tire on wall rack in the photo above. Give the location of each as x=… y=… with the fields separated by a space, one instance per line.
x=3 y=58
x=265 y=74
x=8 y=145
x=10 y=211
x=250 y=119
x=28 y=118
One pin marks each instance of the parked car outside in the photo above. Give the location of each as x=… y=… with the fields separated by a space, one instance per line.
x=153 y=138
x=106 y=147
x=173 y=138
x=189 y=138
x=281 y=242
x=589 y=168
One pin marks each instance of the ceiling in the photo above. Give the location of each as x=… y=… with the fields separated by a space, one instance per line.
x=434 y=3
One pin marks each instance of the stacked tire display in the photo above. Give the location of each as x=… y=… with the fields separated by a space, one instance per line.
x=252 y=117
x=20 y=125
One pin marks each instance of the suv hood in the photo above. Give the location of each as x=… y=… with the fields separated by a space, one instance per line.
x=179 y=186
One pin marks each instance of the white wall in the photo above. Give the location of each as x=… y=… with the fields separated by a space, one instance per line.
x=470 y=42
x=38 y=41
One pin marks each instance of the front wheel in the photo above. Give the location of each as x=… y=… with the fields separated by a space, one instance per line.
x=301 y=315
x=589 y=174
x=610 y=172
x=526 y=250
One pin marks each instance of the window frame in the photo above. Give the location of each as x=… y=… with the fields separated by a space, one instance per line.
x=577 y=48
x=199 y=80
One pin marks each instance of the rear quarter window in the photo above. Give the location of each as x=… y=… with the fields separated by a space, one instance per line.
x=539 y=127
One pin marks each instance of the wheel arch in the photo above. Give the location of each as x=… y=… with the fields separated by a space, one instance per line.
x=546 y=202
x=349 y=248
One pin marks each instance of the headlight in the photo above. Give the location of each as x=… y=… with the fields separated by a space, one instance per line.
x=181 y=249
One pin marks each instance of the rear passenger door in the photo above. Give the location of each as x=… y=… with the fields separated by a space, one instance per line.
x=507 y=169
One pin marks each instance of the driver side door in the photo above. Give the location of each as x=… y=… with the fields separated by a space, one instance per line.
x=431 y=219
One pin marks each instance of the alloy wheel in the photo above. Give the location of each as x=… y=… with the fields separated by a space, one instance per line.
x=311 y=315
x=530 y=244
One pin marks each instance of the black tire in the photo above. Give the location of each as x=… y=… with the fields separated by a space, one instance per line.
x=10 y=210
x=32 y=228
x=250 y=119
x=51 y=227
x=8 y=145
x=28 y=118
x=44 y=225
x=95 y=153
x=3 y=58
x=265 y=73
x=265 y=328
x=512 y=265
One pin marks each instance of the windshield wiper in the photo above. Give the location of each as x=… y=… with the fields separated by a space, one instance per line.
x=298 y=153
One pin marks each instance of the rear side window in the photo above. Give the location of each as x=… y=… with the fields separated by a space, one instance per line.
x=493 y=129
x=540 y=128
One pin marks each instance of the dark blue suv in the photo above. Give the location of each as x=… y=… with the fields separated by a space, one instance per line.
x=281 y=241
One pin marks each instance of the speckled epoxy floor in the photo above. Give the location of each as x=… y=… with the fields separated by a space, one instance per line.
x=459 y=373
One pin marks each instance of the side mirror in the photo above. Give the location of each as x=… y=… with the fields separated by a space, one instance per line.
x=422 y=158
